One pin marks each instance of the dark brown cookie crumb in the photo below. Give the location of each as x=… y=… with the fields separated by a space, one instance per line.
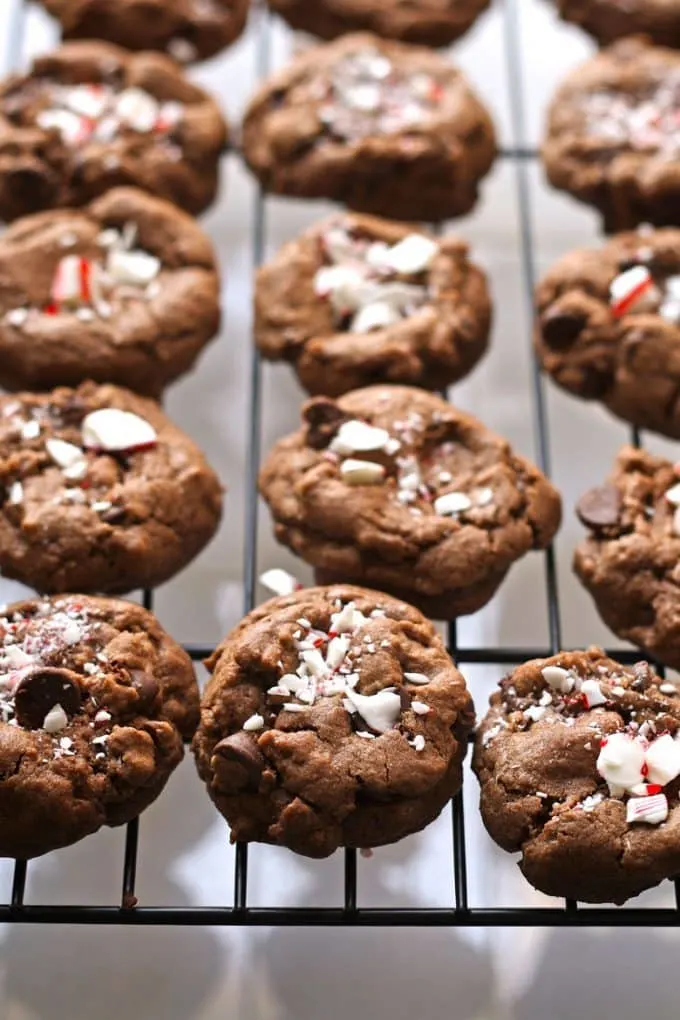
x=94 y=701
x=578 y=760
x=334 y=717
x=374 y=300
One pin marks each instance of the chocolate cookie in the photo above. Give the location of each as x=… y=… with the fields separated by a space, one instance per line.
x=381 y=127
x=428 y=22
x=629 y=561
x=124 y=291
x=393 y=487
x=333 y=717
x=89 y=117
x=94 y=701
x=608 y=20
x=99 y=491
x=613 y=136
x=355 y=299
x=187 y=29
x=578 y=761
x=609 y=326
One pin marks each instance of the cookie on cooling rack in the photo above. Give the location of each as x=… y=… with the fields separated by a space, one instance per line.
x=90 y=117
x=608 y=20
x=578 y=761
x=99 y=491
x=373 y=300
x=379 y=126
x=629 y=560
x=608 y=326
x=613 y=136
x=187 y=29
x=123 y=291
x=333 y=717
x=94 y=701
x=428 y=22
x=392 y=487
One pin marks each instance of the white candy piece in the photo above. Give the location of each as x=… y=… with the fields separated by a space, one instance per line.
x=255 y=722
x=112 y=429
x=55 y=720
x=362 y=472
x=419 y=679
x=419 y=742
x=592 y=693
x=534 y=712
x=412 y=254
x=357 y=437
x=279 y=581
x=673 y=495
x=670 y=310
x=337 y=650
x=343 y=285
x=87 y=100
x=347 y=619
x=676 y=522
x=558 y=678
x=71 y=127
x=420 y=708
x=68 y=283
x=673 y=287
x=381 y=711
x=16 y=657
x=16 y=493
x=137 y=109
x=315 y=662
x=452 y=503
x=620 y=761
x=31 y=430
x=134 y=267
x=64 y=454
x=16 y=316
x=377 y=315
x=651 y=810
x=663 y=760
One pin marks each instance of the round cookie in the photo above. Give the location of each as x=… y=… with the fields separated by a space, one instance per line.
x=613 y=137
x=629 y=560
x=355 y=299
x=89 y=117
x=94 y=701
x=608 y=326
x=123 y=291
x=382 y=127
x=578 y=761
x=427 y=22
x=333 y=717
x=99 y=491
x=392 y=487
x=187 y=29
x=608 y=20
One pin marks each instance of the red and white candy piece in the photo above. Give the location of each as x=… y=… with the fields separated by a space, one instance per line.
x=279 y=581
x=592 y=692
x=117 y=431
x=650 y=810
x=558 y=678
x=137 y=109
x=629 y=289
x=64 y=455
x=86 y=100
x=72 y=283
x=357 y=437
x=72 y=127
x=381 y=711
x=663 y=760
x=413 y=254
x=620 y=762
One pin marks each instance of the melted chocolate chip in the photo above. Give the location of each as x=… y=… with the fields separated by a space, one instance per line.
x=323 y=418
x=405 y=699
x=600 y=507
x=146 y=687
x=39 y=691
x=560 y=329
x=241 y=751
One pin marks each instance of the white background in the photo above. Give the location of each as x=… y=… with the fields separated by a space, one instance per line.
x=50 y=973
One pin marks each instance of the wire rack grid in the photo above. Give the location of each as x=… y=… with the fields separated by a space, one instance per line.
x=459 y=913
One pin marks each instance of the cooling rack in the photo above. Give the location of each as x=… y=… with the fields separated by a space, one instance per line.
x=457 y=911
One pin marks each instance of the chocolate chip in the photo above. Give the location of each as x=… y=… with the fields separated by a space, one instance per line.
x=561 y=328
x=324 y=418
x=113 y=515
x=40 y=690
x=600 y=507
x=405 y=699
x=146 y=687
x=241 y=751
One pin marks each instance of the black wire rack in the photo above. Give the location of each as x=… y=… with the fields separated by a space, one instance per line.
x=459 y=912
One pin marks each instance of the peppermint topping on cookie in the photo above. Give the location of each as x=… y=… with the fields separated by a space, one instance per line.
x=635 y=290
x=369 y=284
x=369 y=95
x=98 y=113
x=111 y=429
x=651 y=810
x=650 y=124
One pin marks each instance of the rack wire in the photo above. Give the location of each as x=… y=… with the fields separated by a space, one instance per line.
x=459 y=913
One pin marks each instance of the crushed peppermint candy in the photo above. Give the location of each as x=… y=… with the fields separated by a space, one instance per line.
x=650 y=810
x=636 y=290
x=99 y=113
x=644 y=123
x=279 y=581
x=112 y=430
x=254 y=722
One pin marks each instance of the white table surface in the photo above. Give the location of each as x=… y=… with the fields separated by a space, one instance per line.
x=79 y=973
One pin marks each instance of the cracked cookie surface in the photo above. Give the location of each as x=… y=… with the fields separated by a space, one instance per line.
x=382 y=127
x=373 y=300
x=333 y=717
x=609 y=326
x=629 y=560
x=99 y=491
x=392 y=487
x=89 y=117
x=613 y=137
x=578 y=760
x=123 y=291
x=427 y=22
x=187 y=29
x=94 y=701
x=608 y=20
